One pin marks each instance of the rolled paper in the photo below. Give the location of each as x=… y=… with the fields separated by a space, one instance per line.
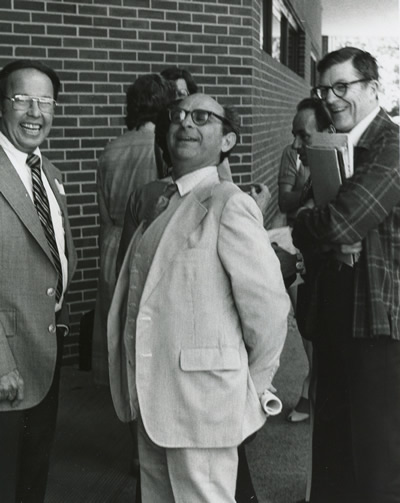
x=271 y=403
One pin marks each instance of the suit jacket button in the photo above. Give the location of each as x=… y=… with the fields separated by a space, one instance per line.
x=51 y=292
x=52 y=328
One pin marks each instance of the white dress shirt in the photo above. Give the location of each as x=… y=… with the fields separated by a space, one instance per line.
x=187 y=183
x=358 y=130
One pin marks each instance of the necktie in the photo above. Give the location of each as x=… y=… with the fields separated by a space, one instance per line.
x=161 y=205
x=43 y=210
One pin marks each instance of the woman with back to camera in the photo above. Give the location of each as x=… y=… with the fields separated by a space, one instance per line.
x=126 y=163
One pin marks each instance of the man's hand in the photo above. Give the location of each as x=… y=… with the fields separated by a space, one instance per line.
x=308 y=205
x=12 y=388
x=347 y=249
x=261 y=195
x=353 y=248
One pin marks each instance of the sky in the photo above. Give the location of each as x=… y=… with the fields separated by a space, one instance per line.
x=361 y=17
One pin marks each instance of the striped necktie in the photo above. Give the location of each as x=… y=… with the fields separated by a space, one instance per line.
x=43 y=209
x=161 y=205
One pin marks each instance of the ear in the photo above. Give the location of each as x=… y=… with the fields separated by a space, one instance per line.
x=375 y=87
x=228 y=142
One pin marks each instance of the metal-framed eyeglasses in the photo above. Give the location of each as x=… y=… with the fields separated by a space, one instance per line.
x=24 y=102
x=339 y=89
x=199 y=117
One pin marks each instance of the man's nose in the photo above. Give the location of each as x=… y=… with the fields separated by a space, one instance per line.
x=188 y=121
x=330 y=96
x=297 y=143
x=34 y=109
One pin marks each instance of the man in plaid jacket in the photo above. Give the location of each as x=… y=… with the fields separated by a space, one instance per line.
x=354 y=312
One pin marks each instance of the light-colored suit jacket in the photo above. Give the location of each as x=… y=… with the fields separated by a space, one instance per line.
x=206 y=338
x=28 y=281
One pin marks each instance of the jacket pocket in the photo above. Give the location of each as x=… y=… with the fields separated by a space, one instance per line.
x=195 y=359
x=8 y=322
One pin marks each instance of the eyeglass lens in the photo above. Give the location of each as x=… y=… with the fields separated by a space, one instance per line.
x=339 y=89
x=199 y=117
x=25 y=102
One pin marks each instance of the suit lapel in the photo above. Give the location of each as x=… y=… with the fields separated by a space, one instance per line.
x=17 y=197
x=175 y=238
x=374 y=130
x=14 y=191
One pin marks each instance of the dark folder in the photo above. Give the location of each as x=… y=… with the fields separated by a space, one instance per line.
x=325 y=174
x=330 y=159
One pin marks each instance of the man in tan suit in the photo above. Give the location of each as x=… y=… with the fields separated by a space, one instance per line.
x=37 y=261
x=198 y=319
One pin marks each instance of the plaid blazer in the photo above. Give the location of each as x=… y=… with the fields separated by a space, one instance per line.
x=367 y=209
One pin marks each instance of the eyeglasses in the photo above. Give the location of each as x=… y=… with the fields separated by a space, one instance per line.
x=181 y=92
x=199 y=117
x=24 y=102
x=339 y=89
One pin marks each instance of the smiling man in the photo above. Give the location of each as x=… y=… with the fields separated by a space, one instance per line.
x=198 y=318
x=354 y=313
x=37 y=260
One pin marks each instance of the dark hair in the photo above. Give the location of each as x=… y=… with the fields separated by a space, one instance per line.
x=322 y=116
x=22 y=64
x=174 y=73
x=162 y=126
x=230 y=125
x=362 y=61
x=145 y=98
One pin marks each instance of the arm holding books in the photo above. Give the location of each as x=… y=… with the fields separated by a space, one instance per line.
x=340 y=248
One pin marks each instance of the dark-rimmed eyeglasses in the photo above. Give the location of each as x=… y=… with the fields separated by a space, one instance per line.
x=24 y=102
x=339 y=89
x=199 y=117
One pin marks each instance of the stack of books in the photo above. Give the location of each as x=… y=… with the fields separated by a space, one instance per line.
x=331 y=161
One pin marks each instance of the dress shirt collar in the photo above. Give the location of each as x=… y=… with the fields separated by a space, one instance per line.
x=16 y=157
x=187 y=183
x=358 y=130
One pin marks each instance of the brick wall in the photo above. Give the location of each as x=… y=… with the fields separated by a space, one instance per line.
x=98 y=47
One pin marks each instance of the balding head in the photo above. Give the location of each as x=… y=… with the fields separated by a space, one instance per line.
x=199 y=132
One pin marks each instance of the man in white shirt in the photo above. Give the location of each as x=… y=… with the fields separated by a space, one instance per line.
x=198 y=319
x=37 y=261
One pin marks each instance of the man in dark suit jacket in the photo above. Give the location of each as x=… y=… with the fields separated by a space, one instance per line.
x=354 y=312
x=36 y=266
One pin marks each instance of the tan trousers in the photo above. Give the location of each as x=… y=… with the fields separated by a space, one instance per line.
x=170 y=475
